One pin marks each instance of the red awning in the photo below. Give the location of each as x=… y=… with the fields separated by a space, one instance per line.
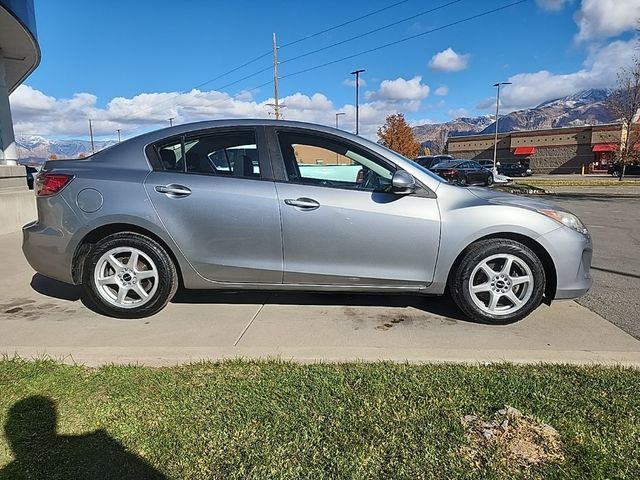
x=524 y=150
x=605 y=147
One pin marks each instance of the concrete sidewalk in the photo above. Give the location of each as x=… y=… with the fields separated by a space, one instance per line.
x=41 y=317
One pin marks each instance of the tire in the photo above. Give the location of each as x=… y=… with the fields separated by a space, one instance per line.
x=134 y=264
x=489 y=180
x=616 y=173
x=495 y=282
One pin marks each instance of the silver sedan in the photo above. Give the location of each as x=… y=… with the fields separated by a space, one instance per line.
x=278 y=205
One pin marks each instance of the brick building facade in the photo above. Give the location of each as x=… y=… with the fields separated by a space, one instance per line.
x=557 y=150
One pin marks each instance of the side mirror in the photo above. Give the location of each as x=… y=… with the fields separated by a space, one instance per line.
x=403 y=183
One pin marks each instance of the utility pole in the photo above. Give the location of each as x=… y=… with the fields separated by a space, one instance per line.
x=93 y=147
x=495 y=143
x=118 y=135
x=171 y=121
x=276 y=95
x=357 y=74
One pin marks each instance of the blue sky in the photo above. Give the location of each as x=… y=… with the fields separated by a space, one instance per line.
x=132 y=65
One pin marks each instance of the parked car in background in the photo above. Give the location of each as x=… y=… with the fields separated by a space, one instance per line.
x=615 y=169
x=240 y=205
x=514 y=170
x=428 y=161
x=488 y=163
x=466 y=172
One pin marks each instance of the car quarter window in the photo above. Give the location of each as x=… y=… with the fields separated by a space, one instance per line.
x=231 y=154
x=318 y=160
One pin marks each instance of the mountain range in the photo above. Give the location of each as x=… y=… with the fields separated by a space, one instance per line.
x=35 y=149
x=587 y=107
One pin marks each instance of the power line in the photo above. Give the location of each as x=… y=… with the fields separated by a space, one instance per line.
x=294 y=42
x=342 y=24
x=341 y=42
x=364 y=52
x=266 y=54
x=376 y=30
x=396 y=42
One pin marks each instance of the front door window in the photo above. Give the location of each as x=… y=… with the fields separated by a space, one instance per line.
x=315 y=160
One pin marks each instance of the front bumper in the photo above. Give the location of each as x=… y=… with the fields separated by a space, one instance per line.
x=571 y=253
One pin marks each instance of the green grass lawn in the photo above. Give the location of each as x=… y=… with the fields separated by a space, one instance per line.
x=241 y=419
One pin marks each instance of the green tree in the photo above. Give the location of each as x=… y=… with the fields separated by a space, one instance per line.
x=397 y=135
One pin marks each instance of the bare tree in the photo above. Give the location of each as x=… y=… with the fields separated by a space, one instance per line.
x=624 y=103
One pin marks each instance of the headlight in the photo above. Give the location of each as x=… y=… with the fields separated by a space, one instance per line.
x=567 y=219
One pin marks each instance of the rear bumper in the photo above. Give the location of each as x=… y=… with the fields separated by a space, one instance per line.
x=44 y=248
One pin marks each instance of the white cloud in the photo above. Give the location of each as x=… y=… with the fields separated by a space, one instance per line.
x=606 y=18
x=37 y=113
x=458 y=112
x=449 y=61
x=351 y=82
x=553 y=5
x=441 y=91
x=400 y=90
x=531 y=89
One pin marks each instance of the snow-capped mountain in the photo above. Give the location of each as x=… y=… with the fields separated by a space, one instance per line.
x=587 y=107
x=434 y=135
x=37 y=149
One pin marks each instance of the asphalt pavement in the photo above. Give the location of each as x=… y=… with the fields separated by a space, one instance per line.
x=613 y=218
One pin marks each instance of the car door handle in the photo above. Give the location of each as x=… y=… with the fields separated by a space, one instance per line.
x=302 y=202
x=173 y=190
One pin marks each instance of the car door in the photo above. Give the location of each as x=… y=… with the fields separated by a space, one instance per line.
x=473 y=172
x=213 y=195
x=341 y=225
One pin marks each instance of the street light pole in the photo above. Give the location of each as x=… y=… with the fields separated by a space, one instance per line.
x=495 y=143
x=118 y=135
x=357 y=74
x=337 y=116
x=171 y=121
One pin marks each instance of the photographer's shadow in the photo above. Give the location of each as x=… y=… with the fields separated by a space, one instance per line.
x=40 y=452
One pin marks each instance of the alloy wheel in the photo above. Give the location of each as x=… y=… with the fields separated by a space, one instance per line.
x=126 y=277
x=501 y=284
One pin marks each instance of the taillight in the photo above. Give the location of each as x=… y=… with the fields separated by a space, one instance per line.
x=449 y=172
x=48 y=184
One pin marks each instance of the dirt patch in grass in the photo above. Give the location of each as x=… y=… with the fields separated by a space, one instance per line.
x=512 y=438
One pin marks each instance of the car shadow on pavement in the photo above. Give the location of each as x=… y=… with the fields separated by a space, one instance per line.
x=437 y=305
x=56 y=289
x=39 y=451
x=440 y=305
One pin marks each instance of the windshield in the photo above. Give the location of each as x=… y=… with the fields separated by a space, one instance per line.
x=447 y=164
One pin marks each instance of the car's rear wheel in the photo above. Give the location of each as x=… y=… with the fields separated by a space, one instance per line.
x=490 y=180
x=498 y=281
x=128 y=275
x=616 y=173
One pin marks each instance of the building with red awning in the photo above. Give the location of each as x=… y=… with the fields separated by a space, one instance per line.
x=554 y=150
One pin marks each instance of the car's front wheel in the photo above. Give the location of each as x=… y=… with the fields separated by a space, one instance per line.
x=498 y=281
x=128 y=275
